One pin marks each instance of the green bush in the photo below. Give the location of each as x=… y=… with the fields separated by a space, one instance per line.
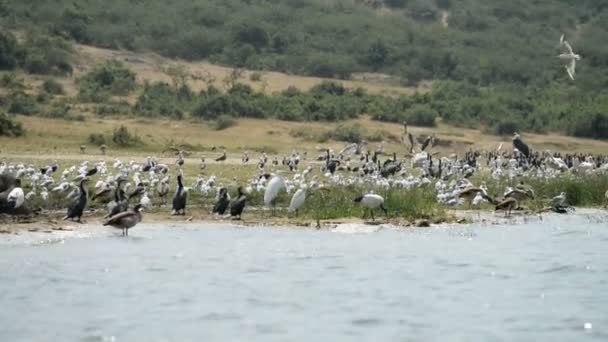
x=110 y=78
x=22 y=103
x=9 y=127
x=505 y=127
x=121 y=137
x=97 y=139
x=9 y=51
x=53 y=87
x=421 y=115
x=348 y=133
x=223 y=122
x=120 y=108
x=162 y=99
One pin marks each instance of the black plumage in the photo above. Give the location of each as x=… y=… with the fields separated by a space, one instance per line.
x=122 y=202
x=222 y=203
x=426 y=142
x=221 y=158
x=521 y=146
x=91 y=172
x=77 y=208
x=237 y=206
x=180 y=198
x=331 y=164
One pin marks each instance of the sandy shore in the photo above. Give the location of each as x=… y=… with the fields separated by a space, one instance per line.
x=49 y=228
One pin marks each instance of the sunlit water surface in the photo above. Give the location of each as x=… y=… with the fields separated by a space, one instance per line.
x=536 y=281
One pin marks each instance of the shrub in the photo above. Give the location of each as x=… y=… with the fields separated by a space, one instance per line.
x=53 y=87
x=22 y=103
x=112 y=78
x=255 y=77
x=46 y=55
x=9 y=127
x=421 y=115
x=119 y=108
x=123 y=138
x=505 y=127
x=8 y=50
x=161 y=99
x=348 y=133
x=223 y=121
x=97 y=139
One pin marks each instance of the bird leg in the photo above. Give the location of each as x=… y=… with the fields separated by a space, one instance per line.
x=372 y=211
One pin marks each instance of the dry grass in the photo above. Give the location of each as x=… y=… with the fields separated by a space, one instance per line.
x=151 y=67
x=47 y=137
x=59 y=137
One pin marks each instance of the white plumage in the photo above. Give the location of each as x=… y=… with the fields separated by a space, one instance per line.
x=272 y=190
x=16 y=197
x=372 y=201
x=298 y=199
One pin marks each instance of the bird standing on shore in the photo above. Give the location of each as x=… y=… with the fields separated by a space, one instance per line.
x=276 y=184
x=298 y=199
x=125 y=220
x=16 y=197
x=180 y=198
x=77 y=208
x=237 y=206
x=371 y=202
x=222 y=202
x=507 y=205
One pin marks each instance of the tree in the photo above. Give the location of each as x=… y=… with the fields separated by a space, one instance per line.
x=9 y=127
x=377 y=54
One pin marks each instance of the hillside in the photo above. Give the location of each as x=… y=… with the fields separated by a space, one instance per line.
x=483 y=64
x=49 y=137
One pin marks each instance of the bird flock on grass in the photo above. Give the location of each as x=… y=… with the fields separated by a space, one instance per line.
x=124 y=189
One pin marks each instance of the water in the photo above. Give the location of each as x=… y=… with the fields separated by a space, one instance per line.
x=536 y=281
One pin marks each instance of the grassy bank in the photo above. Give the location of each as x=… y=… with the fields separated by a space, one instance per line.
x=337 y=202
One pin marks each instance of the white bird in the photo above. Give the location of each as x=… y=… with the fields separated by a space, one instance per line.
x=571 y=57
x=372 y=201
x=145 y=201
x=61 y=187
x=276 y=184
x=16 y=197
x=298 y=199
x=272 y=190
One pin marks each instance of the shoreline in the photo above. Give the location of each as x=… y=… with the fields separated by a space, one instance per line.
x=51 y=227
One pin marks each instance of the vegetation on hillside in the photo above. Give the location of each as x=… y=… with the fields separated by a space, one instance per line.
x=493 y=61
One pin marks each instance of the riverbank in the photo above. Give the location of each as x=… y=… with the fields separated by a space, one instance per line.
x=52 y=228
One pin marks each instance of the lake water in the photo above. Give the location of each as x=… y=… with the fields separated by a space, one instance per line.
x=535 y=281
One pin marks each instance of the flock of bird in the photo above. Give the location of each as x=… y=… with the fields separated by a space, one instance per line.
x=121 y=186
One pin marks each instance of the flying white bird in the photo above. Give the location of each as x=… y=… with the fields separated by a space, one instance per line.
x=571 y=57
